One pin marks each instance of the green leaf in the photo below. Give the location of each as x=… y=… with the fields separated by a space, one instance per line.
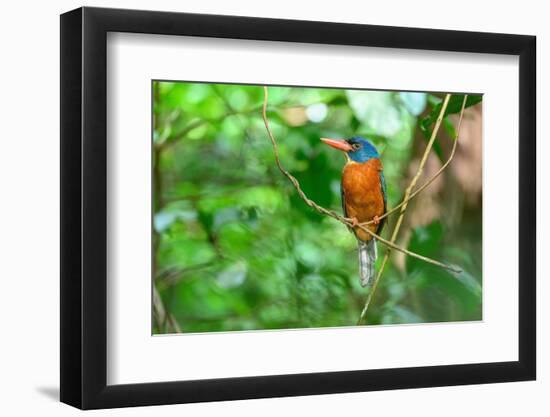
x=469 y=282
x=462 y=288
x=163 y=220
x=433 y=100
x=425 y=240
x=415 y=103
x=376 y=109
x=400 y=314
x=454 y=106
x=207 y=220
x=436 y=145
x=315 y=181
x=449 y=127
x=234 y=275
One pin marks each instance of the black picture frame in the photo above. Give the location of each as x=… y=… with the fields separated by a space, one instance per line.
x=84 y=207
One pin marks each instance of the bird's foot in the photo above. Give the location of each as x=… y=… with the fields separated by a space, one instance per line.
x=354 y=222
x=376 y=220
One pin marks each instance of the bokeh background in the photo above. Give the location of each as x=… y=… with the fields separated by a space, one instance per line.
x=236 y=249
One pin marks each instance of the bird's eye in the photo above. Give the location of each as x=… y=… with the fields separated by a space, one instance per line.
x=355 y=146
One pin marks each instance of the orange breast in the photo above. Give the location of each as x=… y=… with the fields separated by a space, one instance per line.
x=363 y=198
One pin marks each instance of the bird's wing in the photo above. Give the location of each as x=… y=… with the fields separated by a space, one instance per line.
x=343 y=197
x=384 y=195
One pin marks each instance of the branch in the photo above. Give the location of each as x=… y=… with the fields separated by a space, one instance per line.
x=164 y=320
x=172 y=276
x=177 y=137
x=344 y=220
x=409 y=195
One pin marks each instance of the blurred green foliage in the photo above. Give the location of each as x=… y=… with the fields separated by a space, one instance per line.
x=236 y=249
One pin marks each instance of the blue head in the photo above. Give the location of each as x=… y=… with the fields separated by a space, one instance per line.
x=362 y=150
x=358 y=149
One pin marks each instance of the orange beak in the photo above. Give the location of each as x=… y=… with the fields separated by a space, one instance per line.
x=339 y=144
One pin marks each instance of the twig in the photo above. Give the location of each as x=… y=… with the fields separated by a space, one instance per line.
x=409 y=195
x=344 y=220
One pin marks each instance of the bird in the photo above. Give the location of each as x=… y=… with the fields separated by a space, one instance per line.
x=363 y=192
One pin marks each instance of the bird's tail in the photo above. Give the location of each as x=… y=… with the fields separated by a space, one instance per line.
x=367 y=258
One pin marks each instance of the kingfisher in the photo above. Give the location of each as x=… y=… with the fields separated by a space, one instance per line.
x=363 y=191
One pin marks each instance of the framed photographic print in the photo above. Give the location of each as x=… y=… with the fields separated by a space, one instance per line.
x=257 y=208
